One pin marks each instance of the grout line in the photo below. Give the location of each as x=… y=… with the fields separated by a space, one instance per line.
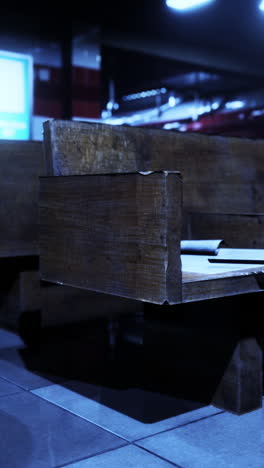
x=116 y=448
x=159 y=456
x=12 y=382
x=50 y=384
x=122 y=437
x=178 y=427
x=81 y=417
x=91 y=456
x=20 y=386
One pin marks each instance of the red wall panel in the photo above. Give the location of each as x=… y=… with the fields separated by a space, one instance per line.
x=48 y=97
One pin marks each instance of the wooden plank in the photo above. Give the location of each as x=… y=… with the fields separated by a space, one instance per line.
x=118 y=234
x=20 y=165
x=196 y=288
x=200 y=264
x=238 y=230
x=223 y=196
x=203 y=280
x=205 y=351
x=220 y=174
x=240 y=388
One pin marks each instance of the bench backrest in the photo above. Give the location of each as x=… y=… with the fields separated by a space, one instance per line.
x=21 y=163
x=223 y=189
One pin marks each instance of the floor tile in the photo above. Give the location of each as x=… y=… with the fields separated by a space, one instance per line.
x=7 y=388
x=222 y=441
x=121 y=410
x=9 y=339
x=38 y=434
x=129 y=456
x=14 y=369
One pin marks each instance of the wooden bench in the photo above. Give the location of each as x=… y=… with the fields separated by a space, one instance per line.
x=115 y=224
x=20 y=165
x=24 y=299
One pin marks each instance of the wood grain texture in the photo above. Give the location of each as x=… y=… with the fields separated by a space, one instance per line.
x=240 y=388
x=238 y=230
x=220 y=174
x=196 y=287
x=21 y=163
x=118 y=234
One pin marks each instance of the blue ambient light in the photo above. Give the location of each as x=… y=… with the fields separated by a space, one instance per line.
x=234 y=105
x=16 y=83
x=261 y=6
x=182 y=5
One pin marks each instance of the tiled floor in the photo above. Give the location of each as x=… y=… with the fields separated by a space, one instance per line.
x=57 y=410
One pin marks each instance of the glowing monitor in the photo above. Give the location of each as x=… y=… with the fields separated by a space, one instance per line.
x=16 y=84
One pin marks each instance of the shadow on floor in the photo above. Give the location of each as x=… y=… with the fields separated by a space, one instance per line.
x=177 y=352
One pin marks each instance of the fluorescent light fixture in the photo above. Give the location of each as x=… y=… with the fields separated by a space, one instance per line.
x=182 y=5
x=173 y=101
x=145 y=94
x=261 y=6
x=170 y=126
x=233 y=105
x=257 y=113
x=215 y=105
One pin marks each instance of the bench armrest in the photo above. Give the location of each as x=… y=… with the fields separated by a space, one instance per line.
x=117 y=234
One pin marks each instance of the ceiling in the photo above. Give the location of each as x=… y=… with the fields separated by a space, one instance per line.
x=146 y=44
x=224 y=25
x=232 y=27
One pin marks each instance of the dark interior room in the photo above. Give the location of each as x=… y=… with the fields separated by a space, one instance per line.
x=131 y=234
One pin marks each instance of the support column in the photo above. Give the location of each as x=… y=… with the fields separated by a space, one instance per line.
x=240 y=388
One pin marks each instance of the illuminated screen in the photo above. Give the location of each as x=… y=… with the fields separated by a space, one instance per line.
x=15 y=96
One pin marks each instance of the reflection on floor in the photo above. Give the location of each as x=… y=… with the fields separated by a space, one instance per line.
x=66 y=400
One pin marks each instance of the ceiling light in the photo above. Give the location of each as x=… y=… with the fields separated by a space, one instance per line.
x=186 y=4
x=144 y=94
x=170 y=126
x=173 y=101
x=215 y=105
x=233 y=105
x=261 y=6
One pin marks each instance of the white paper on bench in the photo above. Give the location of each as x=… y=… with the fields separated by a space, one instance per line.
x=201 y=247
x=200 y=264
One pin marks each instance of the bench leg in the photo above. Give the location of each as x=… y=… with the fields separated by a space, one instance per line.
x=240 y=388
x=20 y=294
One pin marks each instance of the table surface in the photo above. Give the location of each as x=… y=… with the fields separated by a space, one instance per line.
x=198 y=268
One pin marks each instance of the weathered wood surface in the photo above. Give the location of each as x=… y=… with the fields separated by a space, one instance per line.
x=203 y=280
x=238 y=230
x=220 y=174
x=240 y=388
x=21 y=163
x=196 y=288
x=23 y=298
x=118 y=234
